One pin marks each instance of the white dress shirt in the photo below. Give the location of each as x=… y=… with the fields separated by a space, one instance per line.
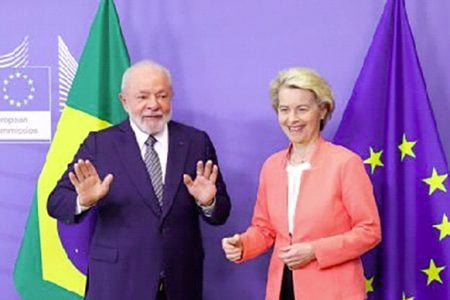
x=294 y=182
x=161 y=146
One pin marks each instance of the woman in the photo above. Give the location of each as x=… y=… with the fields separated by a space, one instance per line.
x=315 y=202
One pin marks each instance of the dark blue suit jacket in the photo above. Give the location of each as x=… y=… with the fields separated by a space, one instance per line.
x=135 y=242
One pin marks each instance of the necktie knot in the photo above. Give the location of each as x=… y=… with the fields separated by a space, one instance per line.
x=150 y=141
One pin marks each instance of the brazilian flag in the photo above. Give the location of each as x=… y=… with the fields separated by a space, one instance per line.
x=45 y=269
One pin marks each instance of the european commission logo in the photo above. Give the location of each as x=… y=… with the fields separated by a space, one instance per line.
x=25 y=114
x=24 y=89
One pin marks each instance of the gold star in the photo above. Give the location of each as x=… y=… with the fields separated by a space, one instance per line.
x=406 y=147
x=404 y=297
x=436 y=181
x=369 y=284
x=433 y=272
x=443 y=227
x=374 y=160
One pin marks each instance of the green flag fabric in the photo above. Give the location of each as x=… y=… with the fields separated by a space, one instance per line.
x=45 y=269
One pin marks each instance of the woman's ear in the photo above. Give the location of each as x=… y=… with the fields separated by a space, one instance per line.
x=323 y=110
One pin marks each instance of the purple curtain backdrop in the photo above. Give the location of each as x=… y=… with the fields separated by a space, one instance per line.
x=222 y=56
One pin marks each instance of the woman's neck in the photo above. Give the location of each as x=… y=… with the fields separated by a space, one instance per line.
x=301 y=153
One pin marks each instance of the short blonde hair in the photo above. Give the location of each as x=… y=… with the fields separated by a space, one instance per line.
x=307 y=79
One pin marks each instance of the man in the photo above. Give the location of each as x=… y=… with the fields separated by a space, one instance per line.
x=149 y=179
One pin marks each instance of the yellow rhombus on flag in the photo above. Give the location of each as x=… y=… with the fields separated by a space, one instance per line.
x=43 y=269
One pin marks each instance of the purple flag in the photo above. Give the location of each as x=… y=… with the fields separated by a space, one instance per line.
x=24 y=89
x=389 y=123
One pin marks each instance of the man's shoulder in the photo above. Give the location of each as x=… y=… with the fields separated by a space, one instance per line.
x=111 y=130
x=185 y=129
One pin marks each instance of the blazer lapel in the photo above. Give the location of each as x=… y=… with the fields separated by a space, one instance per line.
x=303 y=202
x=281 y=179
x=178 y=147
x=130 y=156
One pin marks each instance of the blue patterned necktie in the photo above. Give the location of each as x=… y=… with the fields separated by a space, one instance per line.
x=153 y=165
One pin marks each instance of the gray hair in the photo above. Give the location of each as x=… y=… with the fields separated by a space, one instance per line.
x=145 y=63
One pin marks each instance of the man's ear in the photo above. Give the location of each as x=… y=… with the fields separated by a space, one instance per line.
x=122 y=98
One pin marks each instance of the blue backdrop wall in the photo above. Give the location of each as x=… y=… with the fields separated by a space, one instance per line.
x=223 y=55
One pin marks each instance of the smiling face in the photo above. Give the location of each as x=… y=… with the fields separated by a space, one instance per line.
x=299 y=115
x=146 y=97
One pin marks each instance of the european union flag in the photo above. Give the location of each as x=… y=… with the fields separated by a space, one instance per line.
x=24 y=89
x=389 y=122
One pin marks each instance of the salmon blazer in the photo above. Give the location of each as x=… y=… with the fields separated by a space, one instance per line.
x=336 y=212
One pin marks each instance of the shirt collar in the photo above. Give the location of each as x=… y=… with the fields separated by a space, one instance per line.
x=141 y=136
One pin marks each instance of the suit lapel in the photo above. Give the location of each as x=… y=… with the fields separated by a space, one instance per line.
x=130 y=156
x=178 y=147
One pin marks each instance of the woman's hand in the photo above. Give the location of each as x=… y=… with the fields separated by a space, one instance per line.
x=297 y=255
x=232 y=246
